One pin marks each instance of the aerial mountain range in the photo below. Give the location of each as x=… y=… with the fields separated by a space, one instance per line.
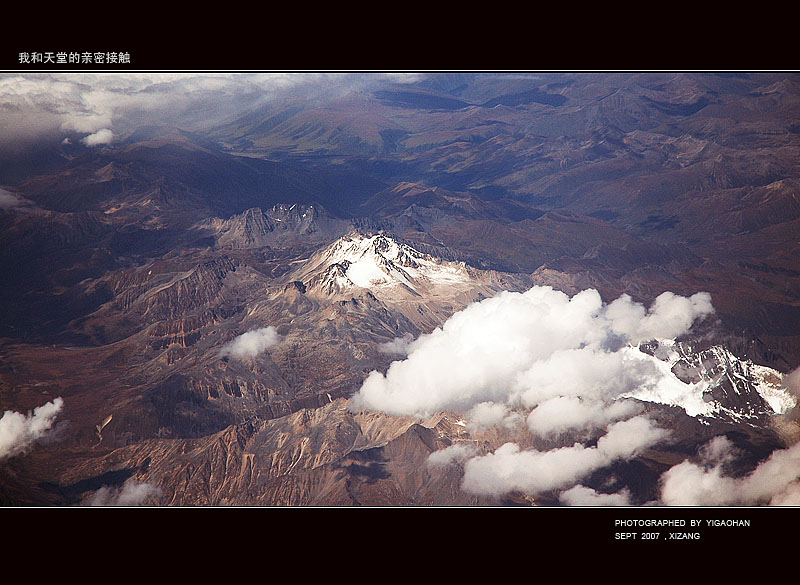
x=411 y=292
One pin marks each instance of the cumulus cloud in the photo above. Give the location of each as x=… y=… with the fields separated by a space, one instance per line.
x=251 y=344
x=510 y=468
x=18 y=432
x=489 y=414
x=775 y=481
x=523 y=349
x=585 y=496
x=104 y=136
x=452 y=454
x=563 y=413
x=568 y=363
x=131 y=493
x=669 y=316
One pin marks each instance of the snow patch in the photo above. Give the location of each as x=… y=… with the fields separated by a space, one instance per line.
x=379 y=261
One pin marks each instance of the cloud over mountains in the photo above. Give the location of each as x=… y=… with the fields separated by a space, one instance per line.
x=525 y=349
x=18 y=432
x=250 y=344
x=36 y=108
x=775 y=481
x=565 y=361
x=509 y=468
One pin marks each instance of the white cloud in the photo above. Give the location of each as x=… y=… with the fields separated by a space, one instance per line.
x=669 y=316
x=452 y=454
x=132 y=493
x=564 y=413
x=103 y=136
x=489 y=414
x=568 y=362
x=526 y=348
x=775 y=481
x=18 y=431
x=789 y=495
x=509 y=468
x=251 y=344
x=627 y=437
x=584 y=496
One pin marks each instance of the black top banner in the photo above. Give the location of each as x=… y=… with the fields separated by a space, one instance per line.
x=287 y=48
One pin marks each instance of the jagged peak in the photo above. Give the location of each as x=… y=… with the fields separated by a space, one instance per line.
x=382 y=247
x=716 y=383
x=378 y=260
x=333 y=280
x=256 y=227
x=281 y=211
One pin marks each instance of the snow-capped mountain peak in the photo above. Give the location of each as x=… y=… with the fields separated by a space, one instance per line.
x=378 y=262
x=714 y=383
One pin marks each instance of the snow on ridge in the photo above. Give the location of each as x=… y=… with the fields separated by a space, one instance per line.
x=695 y=398
x=379 y=261
x=691 y=381
x=670 y=390
x=768 y=382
